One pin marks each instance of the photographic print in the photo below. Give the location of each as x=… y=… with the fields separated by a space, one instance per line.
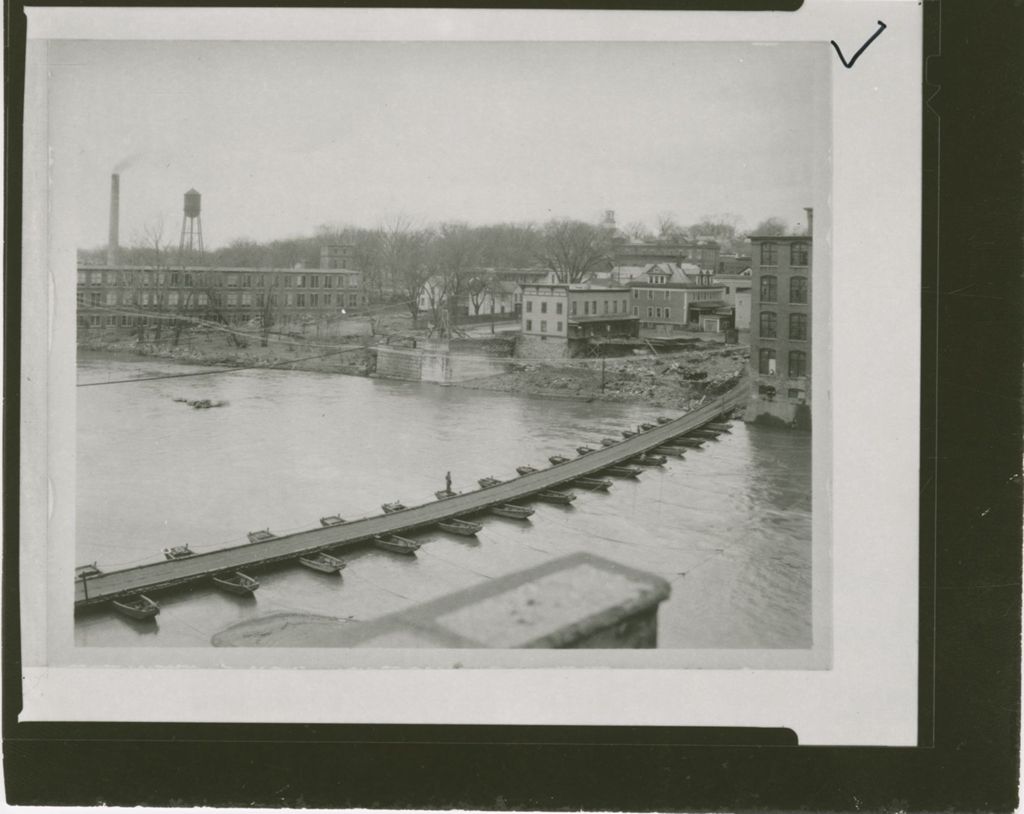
x=366 y=346
x=444 y=345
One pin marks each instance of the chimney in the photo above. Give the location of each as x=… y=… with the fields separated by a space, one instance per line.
x=115 y=216
x=810 y=219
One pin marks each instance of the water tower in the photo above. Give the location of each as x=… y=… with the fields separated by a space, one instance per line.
x=191 y=225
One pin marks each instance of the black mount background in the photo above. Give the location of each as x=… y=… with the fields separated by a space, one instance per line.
x=971 y=557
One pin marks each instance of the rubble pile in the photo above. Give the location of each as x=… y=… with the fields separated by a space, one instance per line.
x=217 y=351
x=674 y=381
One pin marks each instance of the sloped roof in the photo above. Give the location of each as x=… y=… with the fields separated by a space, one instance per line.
x=678 y=273
x=627 y=272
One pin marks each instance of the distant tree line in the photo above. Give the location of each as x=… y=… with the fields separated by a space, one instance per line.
x=399 y=256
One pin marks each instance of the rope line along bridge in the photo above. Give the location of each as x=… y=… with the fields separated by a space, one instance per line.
x=161 y=576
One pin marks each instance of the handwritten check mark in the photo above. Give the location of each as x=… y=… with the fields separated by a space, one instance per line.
x=881 y=28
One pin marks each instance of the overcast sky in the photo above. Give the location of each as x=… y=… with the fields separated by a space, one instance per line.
x=282 y=137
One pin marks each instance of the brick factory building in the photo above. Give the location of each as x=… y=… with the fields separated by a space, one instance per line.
x=135 y=296
x=701 y=253
x=780 y=329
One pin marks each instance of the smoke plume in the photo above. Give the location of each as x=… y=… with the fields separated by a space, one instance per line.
x=126 y=162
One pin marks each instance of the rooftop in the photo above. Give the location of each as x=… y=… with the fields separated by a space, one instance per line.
x=680 y=275
x=575 y=287
x=665 y=267
x=669 y=244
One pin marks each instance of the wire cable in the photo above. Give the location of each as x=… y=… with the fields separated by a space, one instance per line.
x=213 y=372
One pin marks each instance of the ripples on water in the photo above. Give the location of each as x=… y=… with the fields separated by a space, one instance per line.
x=728 y=525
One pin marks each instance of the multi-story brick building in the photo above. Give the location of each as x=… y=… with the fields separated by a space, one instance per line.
x=669 y=297
x=780 y=330
x=576 y=311
x=130 y=296
x=701 y=253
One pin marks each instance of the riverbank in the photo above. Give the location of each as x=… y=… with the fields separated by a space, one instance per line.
x=679 y=380
x=219 y=350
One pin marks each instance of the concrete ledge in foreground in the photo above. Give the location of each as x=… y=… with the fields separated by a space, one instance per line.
x=576 y=601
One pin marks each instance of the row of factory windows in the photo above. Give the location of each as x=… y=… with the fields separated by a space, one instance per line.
x=652 y=313
x=589 y=307
x=798 y=254
x=148 y=279
x=110 y=321
x=543 y=326
x=769 y=326
x=695 y=296
x=175 y=298
x=123 y=321
x=797 y=289
x=766 y=363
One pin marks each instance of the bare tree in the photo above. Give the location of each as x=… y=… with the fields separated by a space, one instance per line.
x=637 y=230
x=215 y=306
x=495 y=288
x=479 y=285
x=508 y=245
x=161 y=299
x=436 y=296
x=154 y=234
x=268 y=307
x=455 y=253
x=184 y=308
x=368 y=257
x=405 y=260
x=771 y=227
x=149 y=286
x=669 y=228
x=243 y=252
x=573 y=249
x=721 y=227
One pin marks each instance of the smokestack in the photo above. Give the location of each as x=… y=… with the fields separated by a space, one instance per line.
x=810 y=219
x=115 y=217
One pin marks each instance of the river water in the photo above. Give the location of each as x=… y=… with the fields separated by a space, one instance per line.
x=729 y=526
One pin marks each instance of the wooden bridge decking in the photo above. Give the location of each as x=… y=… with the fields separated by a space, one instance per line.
x=171 y=573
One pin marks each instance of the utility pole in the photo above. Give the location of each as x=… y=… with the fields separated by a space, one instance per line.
x=603 y=359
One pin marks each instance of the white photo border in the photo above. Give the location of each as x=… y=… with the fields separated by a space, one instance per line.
x=864 y=687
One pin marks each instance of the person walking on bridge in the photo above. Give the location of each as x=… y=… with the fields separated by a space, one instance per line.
x=448 y=482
